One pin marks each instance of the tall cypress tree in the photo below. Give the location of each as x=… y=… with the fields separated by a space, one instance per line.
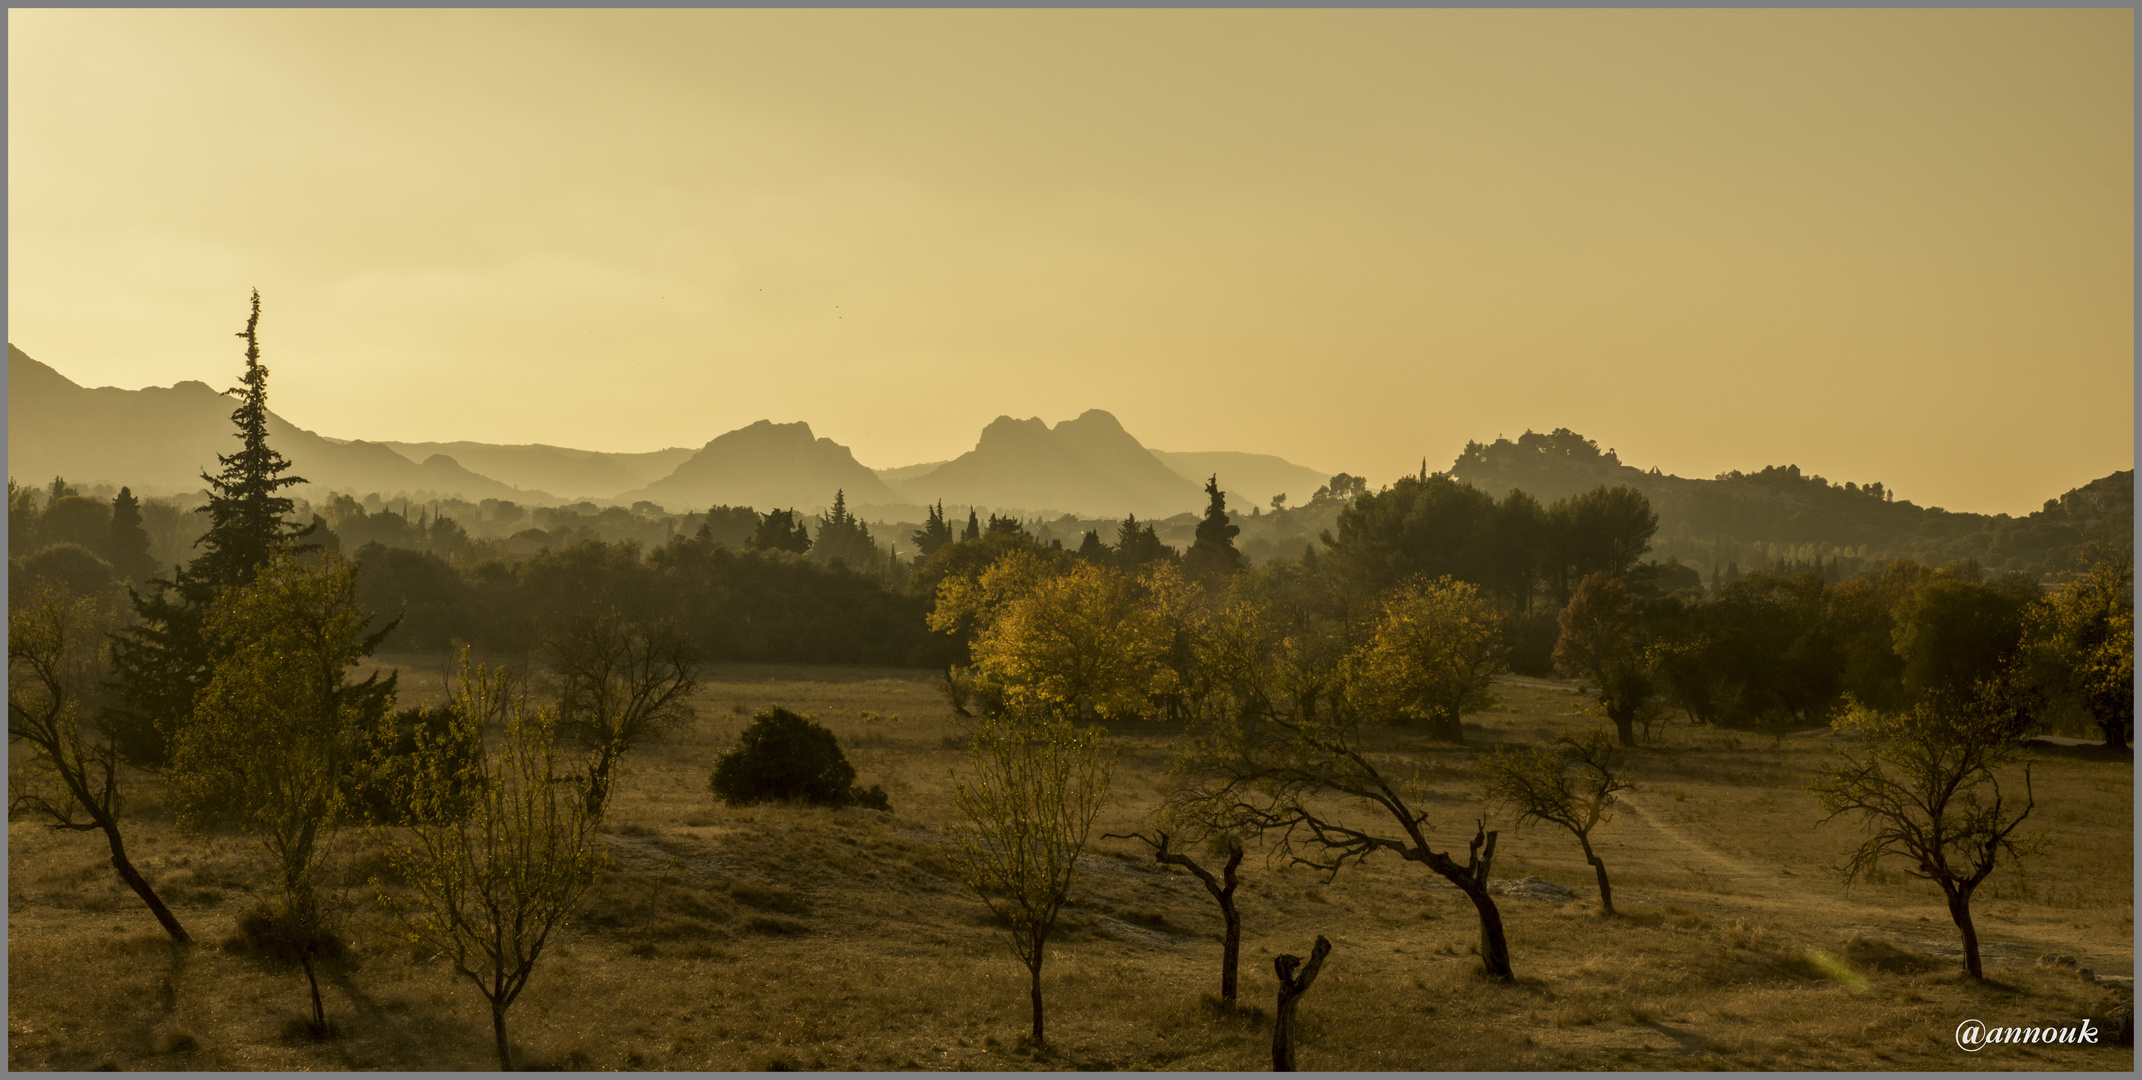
x=934 y=533
x=128 y=548
x=1212 y=555
x=160 y=664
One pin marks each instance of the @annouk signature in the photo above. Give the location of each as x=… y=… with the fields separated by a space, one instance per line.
x=1973 y=1035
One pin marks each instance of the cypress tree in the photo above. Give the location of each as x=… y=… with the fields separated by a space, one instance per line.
x=974 y=526
x=934 y=533
x=1213 y=555
x=128 y=548
x=160 y=664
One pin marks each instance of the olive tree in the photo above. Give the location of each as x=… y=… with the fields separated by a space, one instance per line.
x=502 y=844
x=55 y=661
x=1598 y=641
x=1925 y=788
x=1571 y=784
x=1036 y=782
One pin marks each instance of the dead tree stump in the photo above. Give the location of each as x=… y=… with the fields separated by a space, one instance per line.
x=1292 y=985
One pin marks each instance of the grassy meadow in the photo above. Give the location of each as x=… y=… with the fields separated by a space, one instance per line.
x=781 y=937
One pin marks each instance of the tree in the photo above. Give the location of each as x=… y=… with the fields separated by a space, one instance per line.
x=1266 y=761
x=1036 y=784
x=1953 y=633
x=127 y=548
x=782 y=756
x=54 y=660
x=1091 y=549
x=842 y=536
x=1212 y=556
x=502 y=847
x=1137 y=545
x=277 y=729
x=1222 y=889
x=1603 y=530
x=618 y=681
x=780 y=531
x=1571 y=784
x=974 y=527
x=1430 y=658
x=2084 y=633
x=1089 y=639
x=163 y=662
x=1599 y=641
x=934 y=533
x=1925 y=789
x=1295 y=979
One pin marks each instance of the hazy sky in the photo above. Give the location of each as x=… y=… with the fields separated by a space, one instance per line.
x=1890 y=246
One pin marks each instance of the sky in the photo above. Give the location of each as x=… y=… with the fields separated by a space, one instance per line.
x=1889 y=246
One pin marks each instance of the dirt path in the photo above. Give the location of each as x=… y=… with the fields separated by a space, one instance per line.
x=1661 y=842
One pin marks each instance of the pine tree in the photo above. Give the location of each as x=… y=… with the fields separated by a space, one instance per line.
x=934 y=533
x=1212 y=555
x=974 y=527
x=128 y=548
x=841 y=535
x=1092 y=549
x=162 y=663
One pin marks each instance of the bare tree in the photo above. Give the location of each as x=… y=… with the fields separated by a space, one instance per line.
x=618 y=681
x=55 y=660
x=1037 y=783
x=1222 y=889
x=502 y=847
x=1925 y=789
x=1571 y=784
x=1292 y=985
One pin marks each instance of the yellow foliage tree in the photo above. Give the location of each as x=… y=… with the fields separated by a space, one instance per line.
x=1081 y=638
x=1431 y=657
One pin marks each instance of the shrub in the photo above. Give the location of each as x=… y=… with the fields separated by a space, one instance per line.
x=783 y=756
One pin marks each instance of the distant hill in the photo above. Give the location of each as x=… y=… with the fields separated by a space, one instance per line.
x=1248 y=479
x=768 y=466
x=1088 y=465
x=159 y=440
x=561 y=471
x=1779 y=514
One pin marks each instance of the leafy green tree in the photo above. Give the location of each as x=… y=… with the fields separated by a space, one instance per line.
x=2084 y=636
x=1953 y=633
x=1430 y=658
x=73 y=519
x=1571 y=784
x=502 y=847
x=163 y=662
x=1599 y=642
x=273 y=737
x=1604 y=530
x=24 y=518
x=68 y=566
x=730 y=526
x=1035 y=784
x=127 y=547
x=55 y=653
x=1925 y=788
x=780 y=531
x=1212 y=556
x=1433 y=526
x=934 y=533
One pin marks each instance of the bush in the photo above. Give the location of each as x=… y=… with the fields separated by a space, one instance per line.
x=783 y=756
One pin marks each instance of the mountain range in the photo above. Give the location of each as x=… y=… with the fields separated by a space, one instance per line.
x=160 y=439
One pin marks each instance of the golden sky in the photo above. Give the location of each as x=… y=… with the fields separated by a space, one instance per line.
x=1890 y=246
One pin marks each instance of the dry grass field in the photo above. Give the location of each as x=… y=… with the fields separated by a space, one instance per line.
x=778 y=937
